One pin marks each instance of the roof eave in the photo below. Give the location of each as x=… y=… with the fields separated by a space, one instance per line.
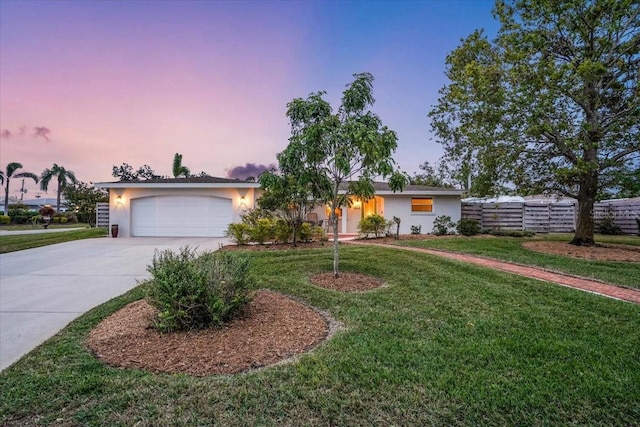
x=142 y=184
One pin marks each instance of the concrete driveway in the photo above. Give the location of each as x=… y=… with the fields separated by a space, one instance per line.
x=43 y=289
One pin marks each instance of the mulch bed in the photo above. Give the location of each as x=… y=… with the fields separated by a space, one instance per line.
x=273 y=328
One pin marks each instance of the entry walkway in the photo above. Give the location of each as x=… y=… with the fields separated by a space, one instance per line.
x=593 y=286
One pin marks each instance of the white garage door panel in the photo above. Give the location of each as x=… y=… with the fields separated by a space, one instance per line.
x=180 y=216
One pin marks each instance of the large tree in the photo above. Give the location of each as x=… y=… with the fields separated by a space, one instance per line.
x=125 y=172
x=5 y=179
x=62 y=175
x=178 y=169
x=340 y=153
x=82 y=199
x=551 y=105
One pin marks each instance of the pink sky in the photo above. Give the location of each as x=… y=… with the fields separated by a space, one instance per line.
x=137 y=81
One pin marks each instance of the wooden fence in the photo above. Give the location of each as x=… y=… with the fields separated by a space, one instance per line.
x=549 y=217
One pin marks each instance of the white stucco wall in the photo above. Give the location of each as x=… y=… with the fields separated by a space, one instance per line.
x=120 y=213
x=400 y=206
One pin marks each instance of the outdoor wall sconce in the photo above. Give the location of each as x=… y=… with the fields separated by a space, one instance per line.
x=357 y=204
x=243 y=202
x=119 y=200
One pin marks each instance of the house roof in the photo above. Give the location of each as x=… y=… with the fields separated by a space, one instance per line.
x=189 y=182
x=381 y=188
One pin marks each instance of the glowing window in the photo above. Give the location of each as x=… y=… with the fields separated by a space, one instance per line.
x=421 y=204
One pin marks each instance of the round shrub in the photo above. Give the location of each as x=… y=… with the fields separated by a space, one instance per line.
x=468 y=227
x=197 y=292
x=373 y=224
x=5 y=219
x=238 y=233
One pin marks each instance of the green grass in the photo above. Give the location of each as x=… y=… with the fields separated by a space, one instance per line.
x=510 y=249
x=444 y=344
x=20 y=242
x=19 y=227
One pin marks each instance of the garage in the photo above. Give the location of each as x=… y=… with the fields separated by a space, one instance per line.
x=180 y=216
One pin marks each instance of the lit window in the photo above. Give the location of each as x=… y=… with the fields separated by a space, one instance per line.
x=421 y=204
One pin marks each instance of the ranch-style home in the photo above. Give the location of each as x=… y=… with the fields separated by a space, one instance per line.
x=205 y=206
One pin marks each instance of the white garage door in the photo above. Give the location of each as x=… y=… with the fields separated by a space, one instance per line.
x=180 y=216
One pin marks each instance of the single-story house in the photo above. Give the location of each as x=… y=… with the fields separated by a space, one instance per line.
x=205 y=206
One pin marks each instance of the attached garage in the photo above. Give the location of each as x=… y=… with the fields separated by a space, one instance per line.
x=180 y=216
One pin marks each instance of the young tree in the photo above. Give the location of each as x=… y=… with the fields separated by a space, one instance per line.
x=552 y=105
x=178 y=169
x=330 y=148
x=82 y=199
x=63 y=177
x=5 y=178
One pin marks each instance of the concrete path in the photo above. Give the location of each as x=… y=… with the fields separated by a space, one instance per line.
x=584 y=284
x=43 y=289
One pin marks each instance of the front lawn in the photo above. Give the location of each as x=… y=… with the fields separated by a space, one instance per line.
x=443 y=344
x=510 y=249
x=19 y=242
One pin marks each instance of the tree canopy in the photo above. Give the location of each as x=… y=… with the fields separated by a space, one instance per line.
x=551 y=105
x=177 y=167
x=5 y=179
x=339 y=154
x=82 y=198
x=62 y=175
x=125 y=172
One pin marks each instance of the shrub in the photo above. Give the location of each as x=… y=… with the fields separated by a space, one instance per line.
x=238 y=233
x=282 y=231
x=416 y=229
x=468 y=227
x=442 y=225
x=196 y=292
x=608 y=226
x=373 y=224
x=509 y=233
x=305 y=232
x=5 y=219
x=262 y=230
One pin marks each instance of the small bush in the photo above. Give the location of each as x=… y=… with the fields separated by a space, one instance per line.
x=196 y=292
x=442 y=225
x=262 y=230
x=468 y=227
x=238 y=233
x=373 y=224
x=5 y=219
x=608 y=226
x=282 y=231
x=509 y=233
x=305 y=232
x=416 y=229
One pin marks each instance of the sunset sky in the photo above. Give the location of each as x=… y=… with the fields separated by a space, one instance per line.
x=92 y=84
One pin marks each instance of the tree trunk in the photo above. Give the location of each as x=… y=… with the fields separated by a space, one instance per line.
x=586 y=199
x=58 y=198
x=334 y=223
x=6 y=196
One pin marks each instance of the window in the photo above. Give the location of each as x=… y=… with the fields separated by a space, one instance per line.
x=421 y=204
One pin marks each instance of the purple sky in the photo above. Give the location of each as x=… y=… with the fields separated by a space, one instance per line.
x=92 y=84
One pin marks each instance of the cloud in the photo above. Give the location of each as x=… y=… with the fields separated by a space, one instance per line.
x=6 y=134
x=22 y=131
x=41 y=131
x=249 y=169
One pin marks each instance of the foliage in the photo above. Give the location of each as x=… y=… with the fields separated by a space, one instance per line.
x=329 y=148
x=262 y=230
x=196 y=292
x=443 y=225
x=5 y=179
x=373 y=224
x=125 y=172
x=238 y=233
x=178 y=169
x=82 y=199
x=5 y=219
x=20 y=213
x=468 y=227
x=433 y=176
x=607 y=225
x=551 y=105
x=416 y=229
x=62 y=175
x=288 y=196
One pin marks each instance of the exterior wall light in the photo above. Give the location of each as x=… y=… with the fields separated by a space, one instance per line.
x=243 y=202
x=119 y=200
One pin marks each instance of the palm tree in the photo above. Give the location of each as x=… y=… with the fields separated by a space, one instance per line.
x=178 y=169
x=5 y=177
x=62 y=175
